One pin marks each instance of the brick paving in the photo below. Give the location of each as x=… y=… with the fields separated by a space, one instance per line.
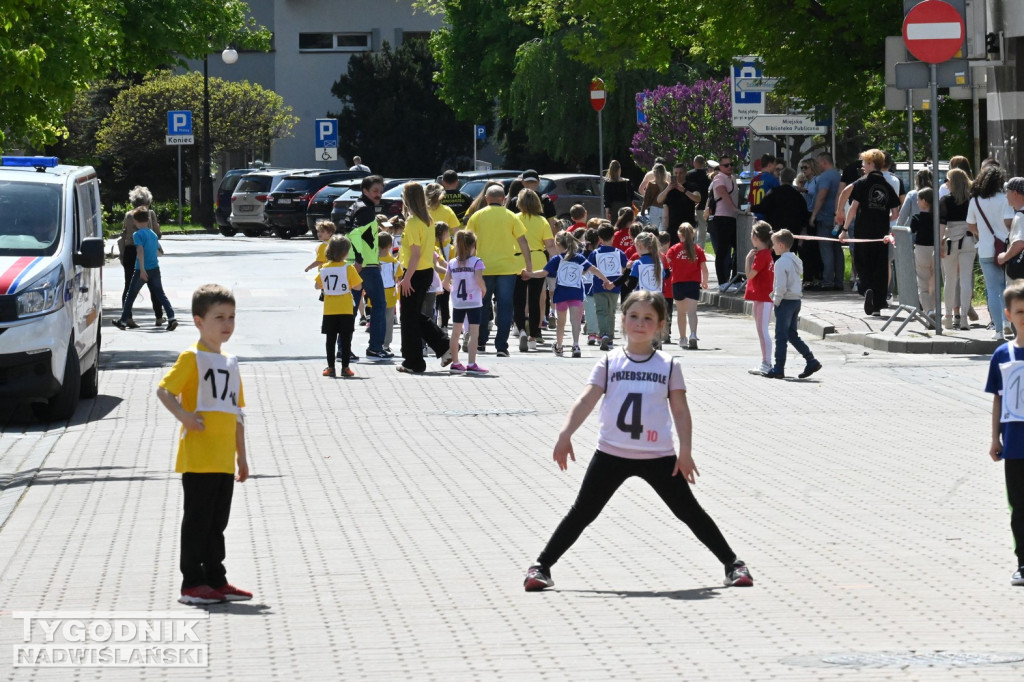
x=386 y=539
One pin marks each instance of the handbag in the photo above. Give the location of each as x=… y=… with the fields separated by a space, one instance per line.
x=999 y=243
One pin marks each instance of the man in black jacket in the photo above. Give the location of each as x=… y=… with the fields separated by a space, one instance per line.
x=361 y=226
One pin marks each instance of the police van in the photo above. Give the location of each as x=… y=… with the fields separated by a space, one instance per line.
x=51 y=258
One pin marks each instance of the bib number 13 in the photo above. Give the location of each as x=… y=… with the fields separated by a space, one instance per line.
x=629 y=420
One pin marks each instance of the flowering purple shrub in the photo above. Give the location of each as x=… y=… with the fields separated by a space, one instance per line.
x=686 y=120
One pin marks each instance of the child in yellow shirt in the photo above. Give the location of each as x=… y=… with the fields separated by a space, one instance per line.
x=391 y=272
x=203 y=390
x=338 y=280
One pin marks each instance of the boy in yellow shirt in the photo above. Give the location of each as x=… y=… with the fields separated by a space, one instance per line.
x=391 y=272
x=203 y=390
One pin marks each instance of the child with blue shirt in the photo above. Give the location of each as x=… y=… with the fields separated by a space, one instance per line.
x=1005 y=369
x=147 y=271
x=568 y=268
x=610 y=262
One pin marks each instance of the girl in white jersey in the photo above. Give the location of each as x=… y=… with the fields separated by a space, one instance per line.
x=465 y=280
x=644 y=395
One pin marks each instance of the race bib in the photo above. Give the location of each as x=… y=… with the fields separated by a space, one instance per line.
x=647 y=279
x=220 y=384
x=335 y=280
x=387 y=275
x=570 y=274
x=609 y=263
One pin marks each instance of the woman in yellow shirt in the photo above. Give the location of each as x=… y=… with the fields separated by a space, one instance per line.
x=417 y=257
x=527 y=305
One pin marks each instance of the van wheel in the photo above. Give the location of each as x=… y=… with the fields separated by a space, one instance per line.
x=228 y=231
x=91 y=379
x=61 y=406
x=251 y=233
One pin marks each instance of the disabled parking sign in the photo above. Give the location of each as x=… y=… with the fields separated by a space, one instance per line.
x=326 y=139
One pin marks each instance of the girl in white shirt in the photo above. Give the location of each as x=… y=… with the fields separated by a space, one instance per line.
x=644 y=395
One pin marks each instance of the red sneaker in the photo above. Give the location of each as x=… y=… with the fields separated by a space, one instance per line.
x=346 y=372
x=202 y=594
x=232 y=593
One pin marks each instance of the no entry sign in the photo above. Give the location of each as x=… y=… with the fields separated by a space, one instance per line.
x=933 y=31
x=597 y=94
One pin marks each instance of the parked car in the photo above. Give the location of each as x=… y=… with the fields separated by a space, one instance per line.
x=474 y=187
x=287 y=204
x=222 y=207
x=343 y=203
x=568 y=189
x=322 y=203
x=391 y=200
x=902 y=171
x=467 y=176
x=249 y=199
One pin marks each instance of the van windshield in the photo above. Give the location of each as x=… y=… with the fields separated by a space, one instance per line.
x=29 y=216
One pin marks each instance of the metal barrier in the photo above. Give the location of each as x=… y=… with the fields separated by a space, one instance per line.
x=906 y=281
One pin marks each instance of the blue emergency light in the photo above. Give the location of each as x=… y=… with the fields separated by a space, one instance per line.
x=30 y=161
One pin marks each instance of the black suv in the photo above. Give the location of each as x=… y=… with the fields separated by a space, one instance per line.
x=287 y=203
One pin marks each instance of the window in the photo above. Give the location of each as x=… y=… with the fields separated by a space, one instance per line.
x=334 y=42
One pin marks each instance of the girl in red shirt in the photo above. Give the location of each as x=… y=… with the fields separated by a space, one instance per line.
x=760 y=271
x=689 y=267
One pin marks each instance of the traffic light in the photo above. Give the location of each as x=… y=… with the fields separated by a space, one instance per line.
x=992 y=46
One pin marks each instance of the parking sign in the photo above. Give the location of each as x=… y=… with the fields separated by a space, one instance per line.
x=179 y=128
x=746 y=103
x=326 y=139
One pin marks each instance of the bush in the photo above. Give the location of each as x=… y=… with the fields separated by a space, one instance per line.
x=166 y=214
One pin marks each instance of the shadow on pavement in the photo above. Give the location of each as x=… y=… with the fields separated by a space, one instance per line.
x=136 y=359
x=697 y=594
x=58 y=477
x=239 y=608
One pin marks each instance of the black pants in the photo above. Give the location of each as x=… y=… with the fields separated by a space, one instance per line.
x=1014 y=470
x=723 y=238
x=526 y=305
x=604 y=476
x=417 y=327
x=207 y=508
x=443 y=305
x=810 y=254
x=872 y=261
x=341 y=341
x=130 y=254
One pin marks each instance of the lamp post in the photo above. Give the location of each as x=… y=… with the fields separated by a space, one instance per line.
x=206 y=219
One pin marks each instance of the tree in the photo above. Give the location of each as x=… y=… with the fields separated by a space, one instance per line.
x=684 y=120
x=49 y=51
x=131 y=139
x=391 y=108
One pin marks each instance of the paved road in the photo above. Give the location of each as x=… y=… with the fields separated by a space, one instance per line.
x=390 y=518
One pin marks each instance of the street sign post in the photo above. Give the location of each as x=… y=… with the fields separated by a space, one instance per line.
x=326 y=134
x=933 y=31
x=179 y=132
x=785 y=124
x=598 y=97
x=479 y=133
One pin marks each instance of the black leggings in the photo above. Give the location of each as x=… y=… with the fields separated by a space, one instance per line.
x=723 y=238
x=348 y=324
x=604 y=476
x=1014 y=470
x=526 y=305
x=130 y=255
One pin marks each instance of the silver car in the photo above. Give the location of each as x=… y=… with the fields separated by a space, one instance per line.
x=249 y=198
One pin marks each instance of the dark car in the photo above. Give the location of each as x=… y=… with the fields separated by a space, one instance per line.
x=467 y=176
x=222 y=208
x=474 y=187
x=343 y=203
x=321 y=205
x=391 y=200
x=287 y=204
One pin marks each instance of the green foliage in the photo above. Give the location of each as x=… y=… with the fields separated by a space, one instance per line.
x=392 y=115
x=131 y=139
x=166 y=215
x=49 y=51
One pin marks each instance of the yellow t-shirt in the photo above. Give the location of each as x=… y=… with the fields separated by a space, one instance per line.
x=444 y=214
x=537 y=230
x=321 y=253
x=417 y=234
x=391 y=272
x=212 y=450
x=340 y=302
x=498 y=230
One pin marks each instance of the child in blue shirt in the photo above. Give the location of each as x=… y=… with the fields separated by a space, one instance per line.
x=610 y=261
x=147 y=271
x=568 y=268
x=1005 y=370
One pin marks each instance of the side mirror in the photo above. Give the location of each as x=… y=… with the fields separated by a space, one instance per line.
x=92 y=254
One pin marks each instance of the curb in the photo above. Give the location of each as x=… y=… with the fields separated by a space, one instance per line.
x=918 y=343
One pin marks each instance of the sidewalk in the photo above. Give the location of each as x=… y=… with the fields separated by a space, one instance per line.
x=839 y=316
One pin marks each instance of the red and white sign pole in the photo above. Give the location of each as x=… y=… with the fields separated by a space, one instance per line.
x=598 y=96
x=934 y=31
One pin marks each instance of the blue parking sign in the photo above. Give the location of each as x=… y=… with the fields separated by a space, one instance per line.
x=179 y=122
x=481 y=132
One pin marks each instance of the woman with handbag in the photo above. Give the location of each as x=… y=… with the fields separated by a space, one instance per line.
x=989 y=216
x=139 y=197
x=957 y=245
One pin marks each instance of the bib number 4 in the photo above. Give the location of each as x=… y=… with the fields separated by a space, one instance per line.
x=629 y=419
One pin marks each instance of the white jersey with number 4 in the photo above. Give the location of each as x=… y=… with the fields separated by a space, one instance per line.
x=635 y=421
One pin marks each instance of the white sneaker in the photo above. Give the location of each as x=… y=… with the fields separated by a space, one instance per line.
x=999 y=336
x=524 y=343
x=760 y=370
x=1017 y=579
x=531 y=344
